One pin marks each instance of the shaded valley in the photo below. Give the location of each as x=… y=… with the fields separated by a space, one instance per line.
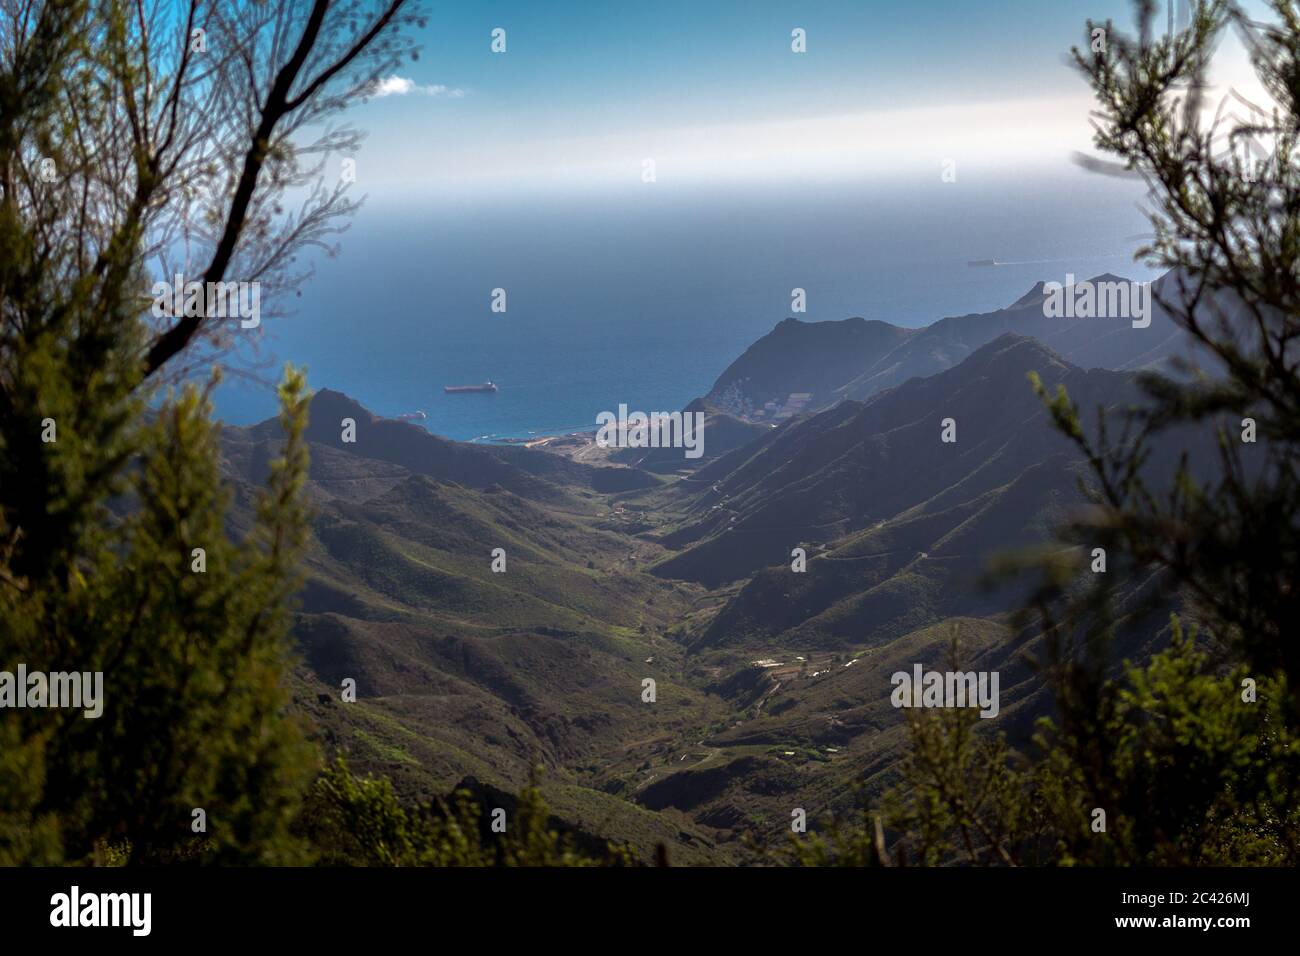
x=505 y=608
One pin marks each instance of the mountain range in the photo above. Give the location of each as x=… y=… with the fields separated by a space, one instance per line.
x=855 y=358
x=502 y=608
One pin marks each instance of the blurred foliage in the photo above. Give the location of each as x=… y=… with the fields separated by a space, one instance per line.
x=358 y=821
x=1193 y=757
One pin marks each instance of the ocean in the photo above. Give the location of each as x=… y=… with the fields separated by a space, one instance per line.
x=642 y=297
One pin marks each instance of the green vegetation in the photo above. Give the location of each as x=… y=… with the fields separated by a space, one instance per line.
x=193 y=706
x=115 y=555
x=1184 y=773
x=223 y=671
x=360 y=822
x=1191 y=758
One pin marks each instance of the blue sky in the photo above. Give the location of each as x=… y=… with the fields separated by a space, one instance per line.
x=820 y=170
x=695 y=60
x=712 y=91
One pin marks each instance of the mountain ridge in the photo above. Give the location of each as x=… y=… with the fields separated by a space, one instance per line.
x=855 y=358
x=772 y=683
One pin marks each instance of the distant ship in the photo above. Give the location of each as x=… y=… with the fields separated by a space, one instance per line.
x=983 y=262
x=457 y=389
x=418 y=416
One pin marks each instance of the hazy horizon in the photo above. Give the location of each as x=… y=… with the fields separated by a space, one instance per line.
x=648 y=195
x=645 y=299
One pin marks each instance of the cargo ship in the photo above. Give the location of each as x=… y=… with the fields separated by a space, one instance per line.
x=458 y=389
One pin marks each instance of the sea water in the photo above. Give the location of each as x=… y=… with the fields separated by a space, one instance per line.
x=644 y=296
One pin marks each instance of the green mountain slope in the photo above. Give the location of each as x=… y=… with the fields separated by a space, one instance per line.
x=859 y=464
x=771 y=687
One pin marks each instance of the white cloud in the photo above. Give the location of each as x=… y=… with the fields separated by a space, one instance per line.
x=909 y=142
x=402 y=86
